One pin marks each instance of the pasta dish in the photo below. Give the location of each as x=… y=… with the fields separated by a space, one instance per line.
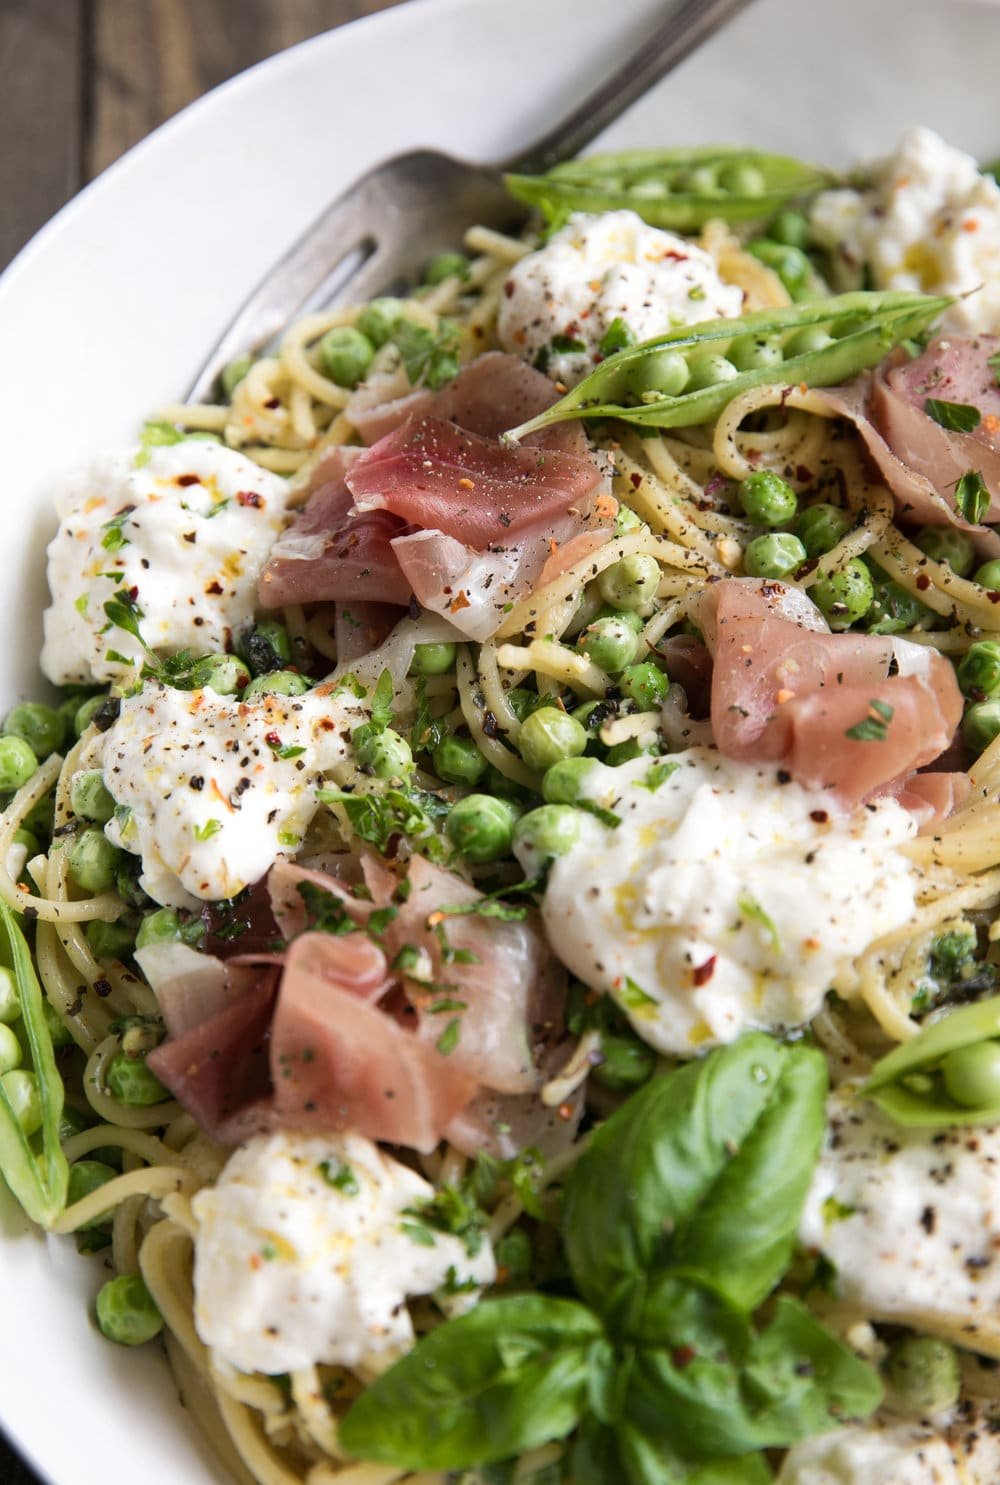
x=500 y=924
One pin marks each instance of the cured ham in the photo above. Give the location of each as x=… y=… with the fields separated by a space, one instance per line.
x=391 y=1033
x=919 y=460
x=438 y=509
x=826 y=707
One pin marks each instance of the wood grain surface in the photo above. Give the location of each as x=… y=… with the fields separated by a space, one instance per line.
x=84 y=80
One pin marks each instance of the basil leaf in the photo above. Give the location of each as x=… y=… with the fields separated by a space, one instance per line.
x=792 y=1381
x=957 y=417
x=601 y=1455
x=499 y=1381
x=703 y=1174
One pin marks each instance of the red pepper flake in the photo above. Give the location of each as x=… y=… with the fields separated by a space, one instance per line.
x=214 y=586
x=702 y=973
x=187 y=479
x=466 y=484
x=273 y=402
x=819 y=817
x=508 y=288
x=457 y=604
x=682 y=1356
x=635 y=480
x=565 y=1112
x=923 y=581
x=273 y=739
x=250 y=497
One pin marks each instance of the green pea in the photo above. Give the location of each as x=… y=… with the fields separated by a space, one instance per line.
x=433 y=659
x=665 y=373
x=709 y=370
x=21 y=1089
x=29 y=840
x=981 y=724
x=457 y=760
x=89 y=797
x=111 y=940
x=627 y=1063
x=751 y=352
x=947 y=544
x=616 y=337
x=845 y=596
x=17 y=763
x=345 y=355
x=10 y=1050
x=131 y=1082
x=226 y=675
x=742 y=179
x=86 y=1177
x=86 y=712
x=41 y=727
x=71 y=1122
x=988 y=576
x=266 y=647
x=610 y=643
x=563 y=782
x=768 y=499
x=979 y=670
x=626 y=616
x=378 y=320
x=277 y=683
x=383 y=752
x=10 y=1001
x=774 y=555
x=481 y=827
x=544 y=833
x=548 y=735
x=127 y=1312
x=791 y=227
x=972 y=1075
x=160 y=927
x=820 y=527
x=807 y=341
x=631 y=583
x=232 y=374
x=924 y=1374
x=789 y=263
x=444 y=266
x=93 y=861
x=644 y=683
x=894 y=609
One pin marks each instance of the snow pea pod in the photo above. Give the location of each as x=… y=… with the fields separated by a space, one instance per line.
x=916 y=1083
x=38 y=1180
x=681 y=189
x=855 y=332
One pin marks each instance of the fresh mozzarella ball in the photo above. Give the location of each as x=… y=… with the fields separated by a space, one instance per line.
x=598 y=269
x=212 y=790
x=724 y=898
x=930 y=222
x=910 y=1219
x=185 y=536
x=897 y=1454
x=306 y=1253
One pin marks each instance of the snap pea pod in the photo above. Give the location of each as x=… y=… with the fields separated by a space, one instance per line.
x=681 y=189
x=821 y=343
x=38 y=1180
x=916 y=1083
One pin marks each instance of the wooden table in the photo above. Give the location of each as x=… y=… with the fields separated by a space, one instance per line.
x=84 y=80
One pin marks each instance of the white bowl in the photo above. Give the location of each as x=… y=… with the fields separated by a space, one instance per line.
x=111 y=308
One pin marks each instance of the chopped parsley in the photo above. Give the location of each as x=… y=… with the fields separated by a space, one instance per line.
x=450 y=1036
x=751 y=908
x=957 y=417
x=872 y=728
x=972 y=497
x=340 y=1176
x=206 y=831
x=656 y=775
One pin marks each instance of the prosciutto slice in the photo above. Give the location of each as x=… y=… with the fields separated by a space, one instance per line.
x=920 y=461
x=788 y=692
x=438 y=509
x=329 y=1036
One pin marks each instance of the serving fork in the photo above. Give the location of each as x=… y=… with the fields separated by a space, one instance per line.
x=385 y=226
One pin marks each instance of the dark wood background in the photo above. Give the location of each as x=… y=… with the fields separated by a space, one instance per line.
x=84 y=80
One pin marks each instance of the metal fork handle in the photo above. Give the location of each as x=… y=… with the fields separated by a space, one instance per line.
x=675 y=37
